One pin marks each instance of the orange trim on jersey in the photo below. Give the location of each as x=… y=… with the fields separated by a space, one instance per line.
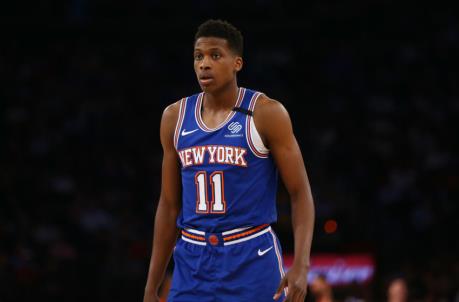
x=246 y=233
x=195 y=237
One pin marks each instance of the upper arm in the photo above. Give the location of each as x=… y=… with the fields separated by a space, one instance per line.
x=274 y=125
x=170 y=180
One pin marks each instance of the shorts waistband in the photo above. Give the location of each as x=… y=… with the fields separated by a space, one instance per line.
x=225 y=238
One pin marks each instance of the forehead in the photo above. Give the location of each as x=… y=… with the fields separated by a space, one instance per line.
x=206 y=43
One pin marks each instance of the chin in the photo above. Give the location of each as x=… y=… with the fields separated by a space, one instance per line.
x=208 y=88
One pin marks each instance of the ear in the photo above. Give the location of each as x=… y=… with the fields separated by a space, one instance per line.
x=238 y=62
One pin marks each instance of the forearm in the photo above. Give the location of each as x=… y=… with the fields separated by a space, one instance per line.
x=165 y=235
x=303 y=227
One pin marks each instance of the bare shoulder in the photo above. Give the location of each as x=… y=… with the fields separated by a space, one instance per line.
x=271 y=119
x=266 y=105
x=171 y=112
x=268 y=112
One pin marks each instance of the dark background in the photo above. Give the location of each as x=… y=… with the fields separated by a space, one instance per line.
x=372 y=89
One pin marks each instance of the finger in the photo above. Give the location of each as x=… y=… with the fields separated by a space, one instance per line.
x=282 y=284
x=297 y=296
x=293 y=296
x=303 y=295
x=290 y=297
x=279 y=291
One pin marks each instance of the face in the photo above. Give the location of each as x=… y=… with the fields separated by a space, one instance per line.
x=215 y=64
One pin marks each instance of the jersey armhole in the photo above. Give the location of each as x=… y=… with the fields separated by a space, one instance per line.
x=253 y=137
x=179 y=124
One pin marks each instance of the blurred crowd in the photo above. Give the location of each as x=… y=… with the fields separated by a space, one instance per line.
x=373 y=93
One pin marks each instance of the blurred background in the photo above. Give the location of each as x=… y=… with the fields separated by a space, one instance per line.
x=373 y=93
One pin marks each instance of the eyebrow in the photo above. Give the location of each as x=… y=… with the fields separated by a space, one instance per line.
x=212 y=48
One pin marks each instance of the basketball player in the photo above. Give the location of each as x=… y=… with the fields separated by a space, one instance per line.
x=223 y=149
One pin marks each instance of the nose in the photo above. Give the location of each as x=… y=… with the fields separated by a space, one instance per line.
x=205 y=63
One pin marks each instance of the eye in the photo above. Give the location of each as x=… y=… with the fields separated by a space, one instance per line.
x=198 y=56
x=216 y=56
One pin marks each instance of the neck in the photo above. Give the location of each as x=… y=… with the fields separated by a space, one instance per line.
x=224 y=98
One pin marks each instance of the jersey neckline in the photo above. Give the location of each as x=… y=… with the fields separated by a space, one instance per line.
x=230 y=115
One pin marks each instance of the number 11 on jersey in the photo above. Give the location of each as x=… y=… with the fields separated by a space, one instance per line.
x=217 y=204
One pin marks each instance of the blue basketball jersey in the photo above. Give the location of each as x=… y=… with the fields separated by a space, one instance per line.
x=229 y=179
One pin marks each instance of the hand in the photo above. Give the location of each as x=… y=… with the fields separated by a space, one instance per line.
x=296 y=280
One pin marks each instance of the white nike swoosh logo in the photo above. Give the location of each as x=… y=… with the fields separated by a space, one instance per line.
x=261 y=253
x=184 y=132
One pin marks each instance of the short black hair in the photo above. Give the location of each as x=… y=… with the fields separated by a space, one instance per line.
x=222 y=29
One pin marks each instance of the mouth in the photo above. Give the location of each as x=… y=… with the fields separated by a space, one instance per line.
x=205 y=80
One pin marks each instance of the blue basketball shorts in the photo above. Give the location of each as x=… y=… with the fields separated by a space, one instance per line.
x=239 y=265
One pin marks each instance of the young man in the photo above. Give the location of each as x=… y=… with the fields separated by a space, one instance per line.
x=223 y=149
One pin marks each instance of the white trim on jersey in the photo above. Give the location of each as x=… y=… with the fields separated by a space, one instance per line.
x=256 y=139
x=193 y=241
x=180 y=119
x=252 y=136
x=234 y=231
x=248 y=237
x=196 y=232
x=198 y=116
x=279 y=259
